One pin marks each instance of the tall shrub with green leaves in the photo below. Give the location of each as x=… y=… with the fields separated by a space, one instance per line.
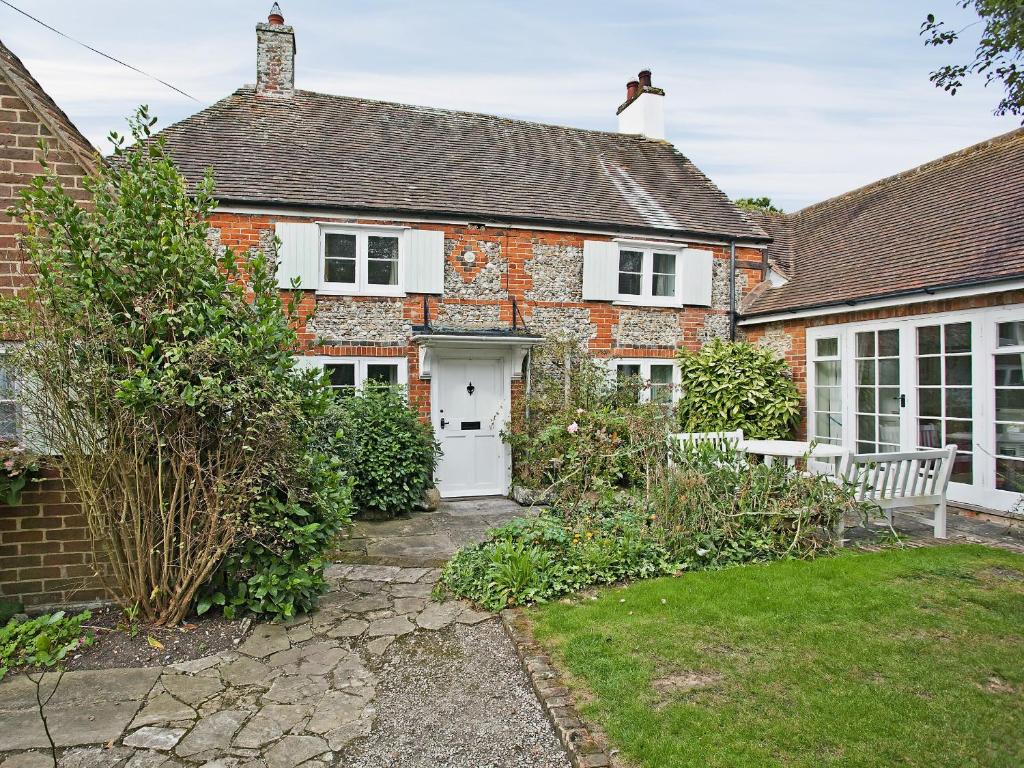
x=736 y=385
x=161 y=374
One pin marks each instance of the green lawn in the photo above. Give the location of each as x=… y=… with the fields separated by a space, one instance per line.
x=900 y=658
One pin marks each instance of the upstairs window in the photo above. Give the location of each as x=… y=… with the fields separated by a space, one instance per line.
x=365 y=262
x=648 y=275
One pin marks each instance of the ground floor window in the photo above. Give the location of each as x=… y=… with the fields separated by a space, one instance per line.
x=348 y=374
x=8 y=404
x=925 y=382
x=658 y=378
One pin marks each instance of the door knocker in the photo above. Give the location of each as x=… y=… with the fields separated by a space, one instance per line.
x=471 y=389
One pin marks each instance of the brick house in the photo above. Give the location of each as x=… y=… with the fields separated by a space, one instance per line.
x=44 y=545
x=435 y=247
x=900 y=307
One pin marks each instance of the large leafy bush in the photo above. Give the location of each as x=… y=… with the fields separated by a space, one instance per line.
x=383 y=445
x=161 y=373
x=736 y=385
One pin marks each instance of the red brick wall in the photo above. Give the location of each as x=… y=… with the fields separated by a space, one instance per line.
x=44 y=547
x=794 y=331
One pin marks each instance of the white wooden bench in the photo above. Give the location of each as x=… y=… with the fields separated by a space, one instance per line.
x=902 y=480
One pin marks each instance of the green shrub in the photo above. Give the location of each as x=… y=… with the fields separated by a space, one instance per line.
x=736 y=385
x=44 y=641
x=276 y=568
x=385 y=448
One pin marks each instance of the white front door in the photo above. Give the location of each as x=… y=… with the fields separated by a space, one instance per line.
x=469 y=411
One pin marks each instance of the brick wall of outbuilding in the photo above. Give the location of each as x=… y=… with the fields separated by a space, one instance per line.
x=45 y=552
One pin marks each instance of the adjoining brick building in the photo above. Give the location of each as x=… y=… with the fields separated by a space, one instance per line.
x=900 y=308
x=435 y=247
x=44 y=546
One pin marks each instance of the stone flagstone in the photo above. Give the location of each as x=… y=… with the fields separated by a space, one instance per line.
x=154 y=738
x=293 y=750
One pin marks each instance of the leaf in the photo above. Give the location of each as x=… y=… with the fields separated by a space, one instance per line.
x=154 y=643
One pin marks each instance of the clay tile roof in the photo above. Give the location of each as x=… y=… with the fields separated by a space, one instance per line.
x=14 y=72
x=322 y=151
x=954 y=221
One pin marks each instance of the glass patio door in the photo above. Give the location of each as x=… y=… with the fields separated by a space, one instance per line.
x=879 y=400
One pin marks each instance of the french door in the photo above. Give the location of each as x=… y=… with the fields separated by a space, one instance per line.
x=925 y=382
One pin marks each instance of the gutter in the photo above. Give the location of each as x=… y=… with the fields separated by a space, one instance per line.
x=732 y=290
x=891 y=298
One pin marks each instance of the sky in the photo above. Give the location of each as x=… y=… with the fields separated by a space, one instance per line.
x=795 y=101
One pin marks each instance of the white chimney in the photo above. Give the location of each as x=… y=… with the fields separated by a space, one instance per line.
x=275 y=56
x=643 y=111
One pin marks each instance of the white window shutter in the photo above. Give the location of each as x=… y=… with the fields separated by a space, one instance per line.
x=298 y=255
x=600 y=270
x=696 y=270
x=424 y=261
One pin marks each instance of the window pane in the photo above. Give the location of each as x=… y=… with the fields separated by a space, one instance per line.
x=888 y=343
x=664 y=285
x=340 y=270
x=627 y=370
x=340 y=246
x=929 y=401
x=382 y=373
x=958 y=402
x=929 y=371
x=889 y=431
x=9 y=420
x=961 y=433
x=827 y=426
x=865 y=344
x=866 y=399
x=1009 y=370
x=631 y=261
x=1010 y=475
x=661 y=374
x=342 y=374
x=958 y=369
x=1011 y=334
x=963 y=469
x=888 y=400
x=827 y=399
x=378 y=247
x=1010 y=440
x=629 y=283
x=866 y=427
x=865 y=371
x=928 y=340
x=382 y=272
x=827 y=372
x=958 y=337
x=1010 y=405
x=929 y=433
x=889 y=372
x=827 y=347
x=6 y=383
x=664 y=264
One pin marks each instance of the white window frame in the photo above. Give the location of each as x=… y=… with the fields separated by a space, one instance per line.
x=18 y=417
x=361 y=287
x=981 y=492
x=812 y=383
x=646 y=297
x=361 y=363
x=645 y=364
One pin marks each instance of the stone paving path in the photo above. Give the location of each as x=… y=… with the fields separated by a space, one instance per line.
x=293 y=694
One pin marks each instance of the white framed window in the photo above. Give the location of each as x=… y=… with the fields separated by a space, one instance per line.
x=10 y=416
x=349 y=374
x=363 y=261
x=1008 y=367
x=648 y=275
x=827 y=398
x=659 y=376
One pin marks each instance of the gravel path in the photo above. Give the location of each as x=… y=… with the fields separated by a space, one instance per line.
x=456 y=698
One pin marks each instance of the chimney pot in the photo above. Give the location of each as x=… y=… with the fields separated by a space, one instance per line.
x=645 y=78
x=275 y=16
x=631 y=88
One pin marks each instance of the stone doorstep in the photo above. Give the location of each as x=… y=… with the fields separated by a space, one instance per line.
x=576 y=736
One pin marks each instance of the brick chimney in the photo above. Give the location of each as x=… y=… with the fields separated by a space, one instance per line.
x=275 y=56
x=643 y=111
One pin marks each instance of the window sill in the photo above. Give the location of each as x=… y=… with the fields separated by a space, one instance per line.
x=393 y=294
x=642 y=301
